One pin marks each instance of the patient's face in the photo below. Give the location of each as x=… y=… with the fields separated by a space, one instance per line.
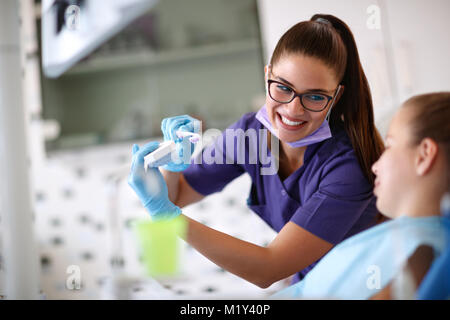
x=395 y=169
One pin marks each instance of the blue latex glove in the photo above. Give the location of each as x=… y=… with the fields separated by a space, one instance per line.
x=150 y=186
x=185 y=148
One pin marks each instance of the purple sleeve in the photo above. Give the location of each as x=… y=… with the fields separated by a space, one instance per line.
x=343 y=196
x=210 y=172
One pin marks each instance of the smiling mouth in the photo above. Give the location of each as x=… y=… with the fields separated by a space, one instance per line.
x=289 y=123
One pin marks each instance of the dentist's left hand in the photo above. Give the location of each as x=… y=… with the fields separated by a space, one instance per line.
x=150 y=186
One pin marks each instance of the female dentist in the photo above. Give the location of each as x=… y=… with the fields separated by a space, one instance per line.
x=319 y=107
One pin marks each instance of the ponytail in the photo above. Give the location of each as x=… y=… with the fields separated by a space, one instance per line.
x=355 y=106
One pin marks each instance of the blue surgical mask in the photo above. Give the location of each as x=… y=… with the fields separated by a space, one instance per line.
x=321 y=134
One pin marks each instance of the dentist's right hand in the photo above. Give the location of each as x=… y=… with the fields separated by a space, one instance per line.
x=150 y=186
x=185 y=148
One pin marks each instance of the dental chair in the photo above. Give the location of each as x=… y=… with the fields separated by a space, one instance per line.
x=436 y=284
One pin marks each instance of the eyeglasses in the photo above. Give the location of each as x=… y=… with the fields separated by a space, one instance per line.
x=315 y=102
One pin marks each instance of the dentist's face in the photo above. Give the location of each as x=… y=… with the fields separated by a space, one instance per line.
x=303 y=74
x=395 y=170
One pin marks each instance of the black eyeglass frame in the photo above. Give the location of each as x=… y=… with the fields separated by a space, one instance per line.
x=300 y=95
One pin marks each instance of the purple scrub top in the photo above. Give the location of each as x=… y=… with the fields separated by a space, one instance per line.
x=328 y=195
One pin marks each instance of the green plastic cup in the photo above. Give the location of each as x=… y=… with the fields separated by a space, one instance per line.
x=160 y=245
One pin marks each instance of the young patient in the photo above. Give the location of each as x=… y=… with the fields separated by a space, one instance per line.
x=412 y=176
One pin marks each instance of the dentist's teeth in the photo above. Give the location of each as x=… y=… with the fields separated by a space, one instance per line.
x=289 y=122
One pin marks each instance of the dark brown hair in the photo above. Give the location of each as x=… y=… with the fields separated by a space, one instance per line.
x=431 y=119
x=330 y=40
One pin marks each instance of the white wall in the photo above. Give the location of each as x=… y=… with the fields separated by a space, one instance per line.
x=421 y=42
x=420 y=46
